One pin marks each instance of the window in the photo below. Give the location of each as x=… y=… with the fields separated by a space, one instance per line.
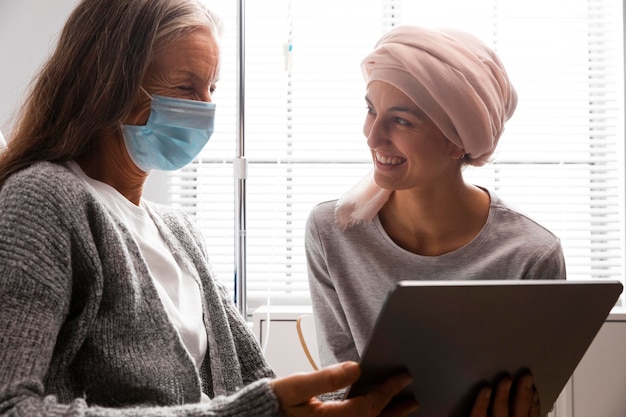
x=560 y=159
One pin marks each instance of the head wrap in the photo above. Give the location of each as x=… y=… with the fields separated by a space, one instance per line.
x=451 y=76
x=455 y=79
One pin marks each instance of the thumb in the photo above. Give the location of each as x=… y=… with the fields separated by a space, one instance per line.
x=299 y=388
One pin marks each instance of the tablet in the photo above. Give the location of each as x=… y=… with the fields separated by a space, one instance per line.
x=455 y=336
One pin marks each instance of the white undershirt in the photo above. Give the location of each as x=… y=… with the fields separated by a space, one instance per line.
x=178 y=290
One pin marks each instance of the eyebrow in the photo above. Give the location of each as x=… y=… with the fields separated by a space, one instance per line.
x=402 y=109
x=195 y=77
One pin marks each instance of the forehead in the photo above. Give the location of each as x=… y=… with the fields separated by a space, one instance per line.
x=383 y=91
x=194 y=54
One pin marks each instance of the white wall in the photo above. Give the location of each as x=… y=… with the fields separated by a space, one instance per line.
x=598 y=387
x=28 y=32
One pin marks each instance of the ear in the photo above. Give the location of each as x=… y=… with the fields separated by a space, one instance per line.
x=455 y=152
x=141 y=109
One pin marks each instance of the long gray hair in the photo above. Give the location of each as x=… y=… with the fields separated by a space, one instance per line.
x=87 y=86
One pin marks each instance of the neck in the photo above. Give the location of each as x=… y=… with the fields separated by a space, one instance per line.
x=108 y=162
x=435 y=221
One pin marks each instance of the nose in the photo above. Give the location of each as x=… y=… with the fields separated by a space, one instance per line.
x=374 y=131
x=206 y=96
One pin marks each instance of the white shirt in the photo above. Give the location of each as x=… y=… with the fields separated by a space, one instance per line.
x=178 y=290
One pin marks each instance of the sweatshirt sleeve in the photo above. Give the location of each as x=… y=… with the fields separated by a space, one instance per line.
x=335 y=342
x=549 y=264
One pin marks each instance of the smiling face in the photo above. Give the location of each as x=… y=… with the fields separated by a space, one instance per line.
x=186 y=68
x=407 y=149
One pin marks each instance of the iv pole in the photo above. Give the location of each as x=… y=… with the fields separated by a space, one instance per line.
x=240 y=170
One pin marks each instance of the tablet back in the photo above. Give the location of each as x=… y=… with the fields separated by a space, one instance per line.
x=453 y=336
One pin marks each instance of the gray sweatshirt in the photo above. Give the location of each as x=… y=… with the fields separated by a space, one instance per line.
x=351 y=271
x=82 y=328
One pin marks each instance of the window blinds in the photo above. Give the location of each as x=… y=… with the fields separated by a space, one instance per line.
x=560 y=159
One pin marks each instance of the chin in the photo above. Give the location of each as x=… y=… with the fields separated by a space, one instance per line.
x=384 y=183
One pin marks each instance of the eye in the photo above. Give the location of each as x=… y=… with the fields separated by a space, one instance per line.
x=370 y=110
x=401 y=121
x=185 y=88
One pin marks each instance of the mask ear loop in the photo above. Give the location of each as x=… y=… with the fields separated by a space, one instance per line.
x=144 y=90
x=146 y=93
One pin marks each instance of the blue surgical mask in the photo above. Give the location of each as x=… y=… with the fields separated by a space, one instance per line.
x=175 y=133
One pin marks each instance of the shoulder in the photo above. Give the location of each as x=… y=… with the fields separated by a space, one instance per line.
x=320 y=224
x=44 y=185
x=324 y=210
x=323 y=229
x=322 y=216
x=514 y=219
x=528 y=247
x=45 y=174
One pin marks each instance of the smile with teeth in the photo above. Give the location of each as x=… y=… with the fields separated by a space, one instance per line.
x=389 y=160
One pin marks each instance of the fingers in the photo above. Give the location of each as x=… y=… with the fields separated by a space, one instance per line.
x=300 y=388
x=508 y=399
x=380 y=397
x=500 y=402
x=481 y=405
x=296 y=394
x=376 y=402
x=400 y=409
x=535 y=407
x=523 y=396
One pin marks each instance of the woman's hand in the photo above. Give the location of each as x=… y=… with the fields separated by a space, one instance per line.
x=523 y=402
x=297 y=394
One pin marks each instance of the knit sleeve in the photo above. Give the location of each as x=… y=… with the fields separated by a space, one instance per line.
x=251 y=359
x=42 y=215
x=35 y=287
x=257 y=399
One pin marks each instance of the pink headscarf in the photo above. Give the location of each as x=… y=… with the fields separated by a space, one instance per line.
x=458 y=81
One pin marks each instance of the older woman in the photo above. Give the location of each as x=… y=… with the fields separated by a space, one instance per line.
x=108 y=304
x=436 y=101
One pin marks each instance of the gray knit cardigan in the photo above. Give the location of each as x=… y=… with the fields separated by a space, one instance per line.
x=82 y=328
